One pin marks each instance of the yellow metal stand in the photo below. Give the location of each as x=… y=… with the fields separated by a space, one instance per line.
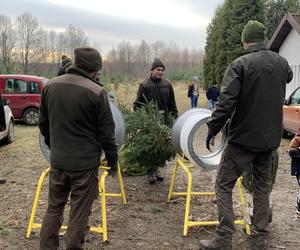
x=187 y=166
x=102 y=193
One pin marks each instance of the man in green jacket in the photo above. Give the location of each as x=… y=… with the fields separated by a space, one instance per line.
x=160 y=92
x=252 y=96
x=77 y=123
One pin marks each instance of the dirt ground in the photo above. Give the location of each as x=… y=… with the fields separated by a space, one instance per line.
x=147 y=221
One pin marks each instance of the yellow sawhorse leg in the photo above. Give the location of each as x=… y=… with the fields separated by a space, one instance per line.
x=102 y=192
x=31 y=224
x=187 y=166
x=122 y=191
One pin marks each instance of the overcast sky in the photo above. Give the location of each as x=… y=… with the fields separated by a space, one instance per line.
x=109 y=22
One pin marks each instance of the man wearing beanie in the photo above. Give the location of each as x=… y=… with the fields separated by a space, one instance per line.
x=252 y=96
x=66 y=62
x=77 y=123
x=160 y=91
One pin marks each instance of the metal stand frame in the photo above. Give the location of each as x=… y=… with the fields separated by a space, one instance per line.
x=187 y=166
x=102 y=194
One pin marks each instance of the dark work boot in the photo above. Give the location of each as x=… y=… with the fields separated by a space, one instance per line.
x=158 y=177
x=217 y=243
x=2 y=181
x=151 y=178
x=209 y=245
x=258 y=242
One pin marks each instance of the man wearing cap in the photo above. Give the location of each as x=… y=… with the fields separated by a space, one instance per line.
x=252 y=96
x=77 y=123
x=160 y=91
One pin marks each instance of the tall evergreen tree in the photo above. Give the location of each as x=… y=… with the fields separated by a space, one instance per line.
x=230 y=20
x=209 y=62
x=276 y=9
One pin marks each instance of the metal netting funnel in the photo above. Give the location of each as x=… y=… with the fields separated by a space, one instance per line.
x=189 y=137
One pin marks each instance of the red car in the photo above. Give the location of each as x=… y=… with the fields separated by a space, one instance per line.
x=291 y=113
x=24 y=94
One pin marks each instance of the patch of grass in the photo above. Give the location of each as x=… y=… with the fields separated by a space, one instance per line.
x=4 y=230
x=126 y=95
x=157 y=209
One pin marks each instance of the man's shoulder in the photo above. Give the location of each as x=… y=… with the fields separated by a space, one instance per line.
x=166 y=81
x=277 y=56
x=261 y=57
x=76 y=80
x=258 y=54
x=147 y=81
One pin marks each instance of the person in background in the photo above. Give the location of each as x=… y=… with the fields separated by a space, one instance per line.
x=252 y=96
x=77 y=127
x=294 y=152
x=66 y=62
x=193 y=92
x=212 y=95
x=160 y=91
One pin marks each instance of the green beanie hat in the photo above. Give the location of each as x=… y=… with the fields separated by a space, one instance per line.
x=254 y=31
x=157 y=63
x=88 y=59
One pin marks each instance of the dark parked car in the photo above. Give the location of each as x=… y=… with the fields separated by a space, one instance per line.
x=23 y=93
x=291 y=113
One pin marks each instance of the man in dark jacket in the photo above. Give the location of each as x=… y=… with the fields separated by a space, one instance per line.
x=77 y=123
x=212 y=95
x=252 y=97
x=160 y=92
x=66 y=62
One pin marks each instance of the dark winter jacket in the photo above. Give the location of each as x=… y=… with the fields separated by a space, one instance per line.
x=160 y=92
x=76 y=121
x=253 y=92
x=212 y=93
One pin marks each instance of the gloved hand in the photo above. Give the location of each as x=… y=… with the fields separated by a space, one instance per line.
x=113 y=168
x=209 y=139
x=112 y=162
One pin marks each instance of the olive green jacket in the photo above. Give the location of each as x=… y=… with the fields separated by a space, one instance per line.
x=160 y=92
x=77 y=123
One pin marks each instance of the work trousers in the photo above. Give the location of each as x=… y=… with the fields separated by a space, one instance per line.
x=234 y=161
x=83 y=189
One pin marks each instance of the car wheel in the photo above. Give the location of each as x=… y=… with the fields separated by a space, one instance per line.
x=10 y=132
x=31 y=117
